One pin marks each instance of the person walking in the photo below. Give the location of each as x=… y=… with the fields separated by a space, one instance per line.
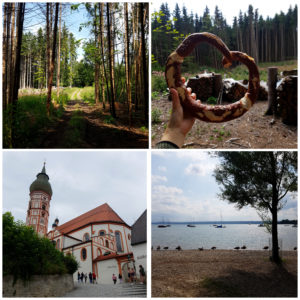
x=129 y=275
x=78 y=276
x=94 y=277
x=120 y=278
x=142 y=274
x=114 y=278
x=91 y=277
x=81 y=277
x=85 y=277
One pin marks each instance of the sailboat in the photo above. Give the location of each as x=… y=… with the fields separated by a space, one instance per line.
x=220 y=226
x=163 y=225
x=190 y=225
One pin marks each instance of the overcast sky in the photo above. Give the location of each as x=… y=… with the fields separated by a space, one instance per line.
x=80 y=180
x=229 y=8
x=183 y=189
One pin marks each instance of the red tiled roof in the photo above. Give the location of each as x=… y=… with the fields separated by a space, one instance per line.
x=103 y=213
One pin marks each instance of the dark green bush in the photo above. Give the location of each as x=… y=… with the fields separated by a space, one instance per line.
x=26 y=254
x=158 y=83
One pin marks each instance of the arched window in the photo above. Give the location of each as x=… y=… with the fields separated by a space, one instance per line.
x=57 y=244
x=86 y=237
x=129 y=236
x=102 y=232
x=83 y=254
x=119 y=241
x=43 y=207
x=106 y=243
x=99 y=252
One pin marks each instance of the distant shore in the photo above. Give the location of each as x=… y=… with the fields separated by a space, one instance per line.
x=223 y=273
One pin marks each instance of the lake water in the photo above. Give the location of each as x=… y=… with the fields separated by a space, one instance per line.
x=207 y=236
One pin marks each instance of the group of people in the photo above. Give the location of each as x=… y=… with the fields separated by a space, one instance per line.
x=83 y=277
x=131 y=275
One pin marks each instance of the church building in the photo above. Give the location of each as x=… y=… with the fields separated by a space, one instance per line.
x=99 y=239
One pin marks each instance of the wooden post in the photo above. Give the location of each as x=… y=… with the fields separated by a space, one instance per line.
x=272 y=93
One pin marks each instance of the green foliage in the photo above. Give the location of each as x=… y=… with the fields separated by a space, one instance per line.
x=26 y=254
x=88 y=94
x=109 y=120
x=31 y=120
x=155 y=115
x=158 y=83
x=212 y=100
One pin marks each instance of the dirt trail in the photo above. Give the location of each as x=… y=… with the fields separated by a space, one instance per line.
x=87 y=126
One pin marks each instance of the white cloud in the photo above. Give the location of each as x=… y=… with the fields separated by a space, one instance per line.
x=162 y=168
x=193 y=155
x=158 y=178
x=200 y=169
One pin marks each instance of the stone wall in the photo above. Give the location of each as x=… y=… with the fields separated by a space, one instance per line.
x=38 y=286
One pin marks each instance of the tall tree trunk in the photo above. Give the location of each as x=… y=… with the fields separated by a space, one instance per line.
x=144 y=60
x=12 y=54
x=4 y=55
x=19 y=33
x=102 y=51
x=97 y=63
x=111 y=64
x=48 y=41
x=127 y=68
x=58 y=54
x=102 y=66
x=53 y=59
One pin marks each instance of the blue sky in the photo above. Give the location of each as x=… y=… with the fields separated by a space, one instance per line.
x=183 y=189
x=35 y=18
x=80 y=180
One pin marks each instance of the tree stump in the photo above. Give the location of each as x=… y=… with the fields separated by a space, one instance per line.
x=287 y=100
x=233 y=90
x=206 y=85
x=272 y=93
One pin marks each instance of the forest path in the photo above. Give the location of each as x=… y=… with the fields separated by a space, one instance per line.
x=87 y=126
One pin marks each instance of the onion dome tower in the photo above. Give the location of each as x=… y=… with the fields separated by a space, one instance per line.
x=39 y=203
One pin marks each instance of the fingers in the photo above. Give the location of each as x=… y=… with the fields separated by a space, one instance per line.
x=175 y=99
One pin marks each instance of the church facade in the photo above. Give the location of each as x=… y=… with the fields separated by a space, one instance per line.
x=99 y=239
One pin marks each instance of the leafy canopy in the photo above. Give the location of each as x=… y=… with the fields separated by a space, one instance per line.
x=259 y=179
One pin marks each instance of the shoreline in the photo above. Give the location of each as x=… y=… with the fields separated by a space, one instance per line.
x=223 y=273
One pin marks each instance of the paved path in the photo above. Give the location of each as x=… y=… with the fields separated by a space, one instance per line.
x=108 y=290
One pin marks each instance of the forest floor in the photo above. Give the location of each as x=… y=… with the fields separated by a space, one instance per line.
x=223 y=273
x=83 y=125
x=253 y=130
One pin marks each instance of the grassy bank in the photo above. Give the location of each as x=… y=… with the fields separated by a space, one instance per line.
x=31 y=119
x=223 y=273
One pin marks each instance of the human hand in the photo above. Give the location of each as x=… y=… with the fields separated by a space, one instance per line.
x=180 y=122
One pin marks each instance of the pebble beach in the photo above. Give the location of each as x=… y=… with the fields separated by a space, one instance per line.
x=223 y=273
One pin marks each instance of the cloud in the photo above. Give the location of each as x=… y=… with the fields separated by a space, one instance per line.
x=199 y=169
x=193 y=155
x=158 y=178
x=162 y=168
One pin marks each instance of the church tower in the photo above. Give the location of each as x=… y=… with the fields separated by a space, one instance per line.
x=39 y=203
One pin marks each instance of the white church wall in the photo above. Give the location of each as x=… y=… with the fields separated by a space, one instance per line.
x=69 y=242
x=106 y=269
x=85 y=266
x=78 y=234
x=140 y=256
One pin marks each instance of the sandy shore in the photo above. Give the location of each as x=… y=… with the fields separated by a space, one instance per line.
x=222 y=273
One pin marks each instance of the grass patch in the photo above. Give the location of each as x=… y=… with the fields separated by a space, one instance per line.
x=155 y=115
x=31 y=121
x=220 y=289
x=76 y=130
x=87 y=94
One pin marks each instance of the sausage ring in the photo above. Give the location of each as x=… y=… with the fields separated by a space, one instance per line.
x=209 y=113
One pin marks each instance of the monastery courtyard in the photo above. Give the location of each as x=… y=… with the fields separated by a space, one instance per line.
x=117 y=290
